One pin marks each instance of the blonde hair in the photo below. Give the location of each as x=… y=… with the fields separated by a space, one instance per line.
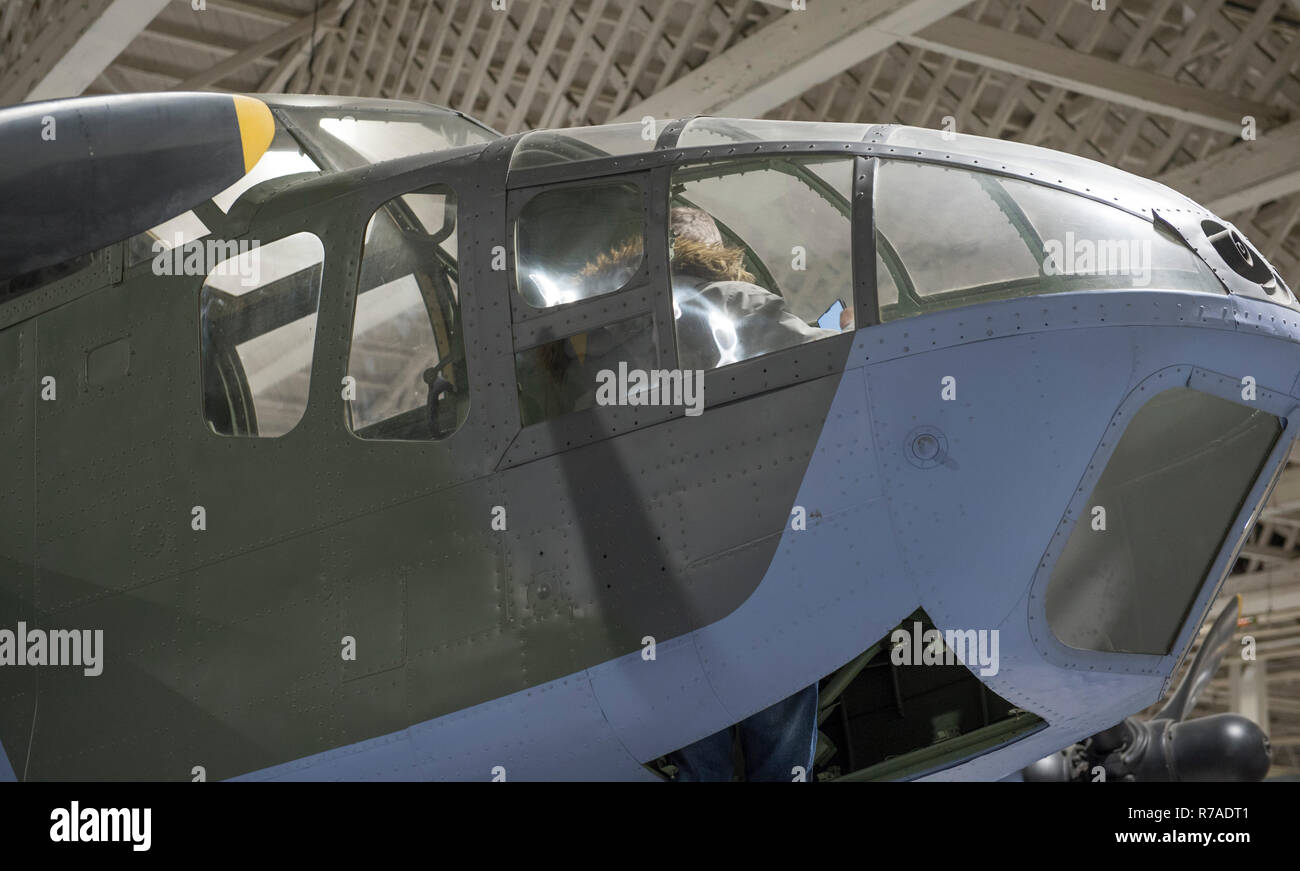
x=713 y=262
x=690 y=257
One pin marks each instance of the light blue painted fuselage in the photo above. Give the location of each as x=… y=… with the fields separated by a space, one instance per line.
x=1039 y=382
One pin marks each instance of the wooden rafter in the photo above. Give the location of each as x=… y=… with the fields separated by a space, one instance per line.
x=328 y=16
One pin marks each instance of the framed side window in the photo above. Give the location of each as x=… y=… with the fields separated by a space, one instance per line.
x=761 y=256
x=578 y=242
x=407 y=362
x=258 y=310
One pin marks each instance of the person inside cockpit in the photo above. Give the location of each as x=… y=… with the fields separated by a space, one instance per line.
x=722 y=315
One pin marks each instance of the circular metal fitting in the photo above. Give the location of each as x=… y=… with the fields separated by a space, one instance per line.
x=926 y=446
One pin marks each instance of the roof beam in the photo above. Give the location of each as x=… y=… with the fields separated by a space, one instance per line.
x=93 y=47
x=792 y=54
x=59 y=53
x=193 y=40
x=34 y=44
x=257 y=12
x=1021 y=55
x=1244 y=175
x=329 y=16
x=276 y=80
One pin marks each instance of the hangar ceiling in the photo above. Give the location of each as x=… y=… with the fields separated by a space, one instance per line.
x=1201 y=94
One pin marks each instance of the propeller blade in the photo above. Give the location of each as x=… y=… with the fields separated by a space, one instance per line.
x=86 y=172
x=1204 y=666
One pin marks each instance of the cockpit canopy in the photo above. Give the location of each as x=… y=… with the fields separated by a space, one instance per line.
x=1022 y=216
x=767 y=235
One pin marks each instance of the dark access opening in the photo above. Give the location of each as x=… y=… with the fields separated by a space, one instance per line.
x=896 y=716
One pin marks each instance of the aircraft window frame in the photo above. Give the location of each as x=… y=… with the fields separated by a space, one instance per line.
x=518 y=201
x=1061 y=581
x=443 y=290
x=1079 y=505
x=741 y=165
x=647 y=293
x=801 y=168
x=781 y=163
x=642 y=295
x=993 y=185
x=250 y=305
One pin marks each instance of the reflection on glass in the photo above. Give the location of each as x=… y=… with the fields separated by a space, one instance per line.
x=1084 y=237
x=576 y=243
x=762 y=252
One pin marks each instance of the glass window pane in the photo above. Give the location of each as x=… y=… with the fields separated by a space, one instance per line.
x=957 y=237
x=762 y=253
x=716 y=131
x=547 y=147
x=1132 y=191
x=886 y=286
x=562 y=376
x=258 y=319
x=575 y=243
x=947 y=228
x=1172 y=488
x=1083 y=237
x=355 y=141
x=257 y=266
x=408 y=354
x=348 y=132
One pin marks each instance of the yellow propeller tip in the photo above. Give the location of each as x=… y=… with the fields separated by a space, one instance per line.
x=256 y=128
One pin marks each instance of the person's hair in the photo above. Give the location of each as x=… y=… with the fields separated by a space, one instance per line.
x=625 y=255
x=552 y=356
x=713 y=262
x=690 y=256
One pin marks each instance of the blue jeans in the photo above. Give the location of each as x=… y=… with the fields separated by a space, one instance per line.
x=774 y=741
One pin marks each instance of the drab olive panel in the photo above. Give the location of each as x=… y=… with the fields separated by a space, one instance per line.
x=108 y=363
x=19 y=390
